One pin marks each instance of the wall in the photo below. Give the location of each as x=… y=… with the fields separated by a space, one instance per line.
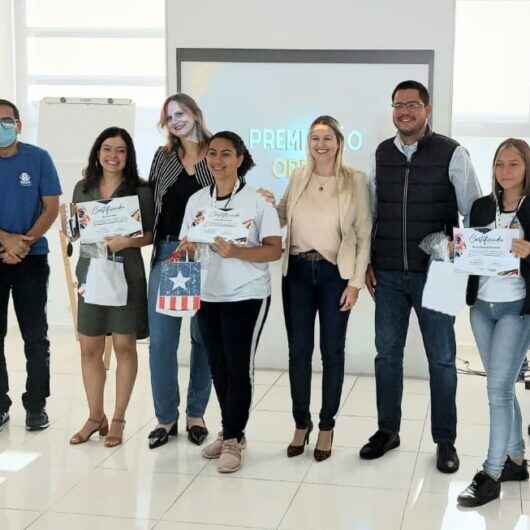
x=311 y=24
x=7 y=79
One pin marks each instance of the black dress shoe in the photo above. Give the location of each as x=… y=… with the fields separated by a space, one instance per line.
x=197 y=434
x=160 y=436
x=446 y=458
x=379 y=444
x=37 y=421
x=512 y=471
x=482 y=489
x=323 y=454
x=295 y=450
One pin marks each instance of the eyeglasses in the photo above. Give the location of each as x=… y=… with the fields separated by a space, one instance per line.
x=8 y=123
x=409 y=105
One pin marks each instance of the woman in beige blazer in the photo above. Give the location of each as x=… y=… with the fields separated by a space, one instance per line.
x=327 y=213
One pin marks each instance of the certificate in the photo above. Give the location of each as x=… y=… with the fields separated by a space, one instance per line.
x=486 y=251
x=210 y=223
x=107 y=218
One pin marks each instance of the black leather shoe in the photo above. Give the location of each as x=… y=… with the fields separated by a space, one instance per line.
x=446 y=458
x=160 y=436
x=37 y=421
x=4 y=418
x=295 y=450
x=482 y=489
x=197 y=434
x=323 y=454
x=512 y=471
x=379 y=444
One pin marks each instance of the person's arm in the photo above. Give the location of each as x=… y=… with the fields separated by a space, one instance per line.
x=281 y=207
x=464 y=179
x=50 y=210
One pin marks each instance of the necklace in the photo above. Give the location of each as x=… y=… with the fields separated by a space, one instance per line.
x=322 y=181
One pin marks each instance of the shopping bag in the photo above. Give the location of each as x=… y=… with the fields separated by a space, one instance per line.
x=105 y=283
x=179 y=290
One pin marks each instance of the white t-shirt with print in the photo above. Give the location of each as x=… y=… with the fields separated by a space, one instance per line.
x=498 y=289
x=232 y=279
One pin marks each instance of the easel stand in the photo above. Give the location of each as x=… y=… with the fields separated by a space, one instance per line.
x=71 y=287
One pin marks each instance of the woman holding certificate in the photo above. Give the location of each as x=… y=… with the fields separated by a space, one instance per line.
x=178 y=170
x=500 y=319
x=327 y=213
x=243 y=233
x=111 y=277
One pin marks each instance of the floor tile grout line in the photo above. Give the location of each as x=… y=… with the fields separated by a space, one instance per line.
x=418 y=452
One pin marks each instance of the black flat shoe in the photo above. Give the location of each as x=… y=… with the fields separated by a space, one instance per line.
x=160 y=436
x=323 y=454
x=447 y=458
x=379 y=444
x=514 y=472
x=295 y=450
x=197 y=434
x=482 y=489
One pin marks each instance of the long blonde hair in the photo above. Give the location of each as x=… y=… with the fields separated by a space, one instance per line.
x=522 y=147
x=173 y=142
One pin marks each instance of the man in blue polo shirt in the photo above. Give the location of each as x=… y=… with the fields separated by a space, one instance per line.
x=29 y=204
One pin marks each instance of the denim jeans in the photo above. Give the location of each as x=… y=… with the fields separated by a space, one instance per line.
x=308 y=288
x=28 y=284
x=502 y=336
x=396 y=294
x=164 y=334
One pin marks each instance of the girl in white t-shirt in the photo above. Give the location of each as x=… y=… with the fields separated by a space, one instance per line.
x=235 y=298
x=500 y=319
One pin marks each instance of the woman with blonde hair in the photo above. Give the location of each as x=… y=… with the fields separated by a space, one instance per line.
x=500 y=320
x=327 y=214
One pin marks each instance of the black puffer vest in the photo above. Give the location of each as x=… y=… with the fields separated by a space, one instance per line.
x=414 y=199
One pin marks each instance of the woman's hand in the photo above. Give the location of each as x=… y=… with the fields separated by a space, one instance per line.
x=349 y=298
x=117 y=243
x=225 y=248
x=267 y=195
x=521 y=248
x=186 y=246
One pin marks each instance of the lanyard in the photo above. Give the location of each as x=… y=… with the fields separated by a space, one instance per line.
x=498 y=213
x=214 y=196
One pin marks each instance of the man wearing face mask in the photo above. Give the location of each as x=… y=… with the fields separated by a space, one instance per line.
x=420 y=181
x=29 y=204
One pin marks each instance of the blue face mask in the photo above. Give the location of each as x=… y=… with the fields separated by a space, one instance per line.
x=8 y=136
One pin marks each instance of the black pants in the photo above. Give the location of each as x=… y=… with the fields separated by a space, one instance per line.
x=231 y=332
x=28 y=283
x=308 y=288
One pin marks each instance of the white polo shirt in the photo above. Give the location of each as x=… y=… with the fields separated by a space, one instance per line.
x=232 y=279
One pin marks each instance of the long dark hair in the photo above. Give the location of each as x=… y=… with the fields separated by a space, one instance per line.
x=241 y=150
x=94 y=172
x=173 y=142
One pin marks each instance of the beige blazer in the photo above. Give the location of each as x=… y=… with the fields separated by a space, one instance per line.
x=355 y=221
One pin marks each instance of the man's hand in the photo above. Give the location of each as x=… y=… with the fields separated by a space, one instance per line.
x=371 y=282
x=8 y=259
x=16 y=245
x=225 y=248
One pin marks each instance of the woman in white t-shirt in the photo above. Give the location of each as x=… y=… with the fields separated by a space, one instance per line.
x=235 y=298
x=500 y=319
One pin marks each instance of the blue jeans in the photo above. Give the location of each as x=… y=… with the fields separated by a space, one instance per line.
x=308 y=288
x=502 y=337
x=396 y=294
x=164 y=334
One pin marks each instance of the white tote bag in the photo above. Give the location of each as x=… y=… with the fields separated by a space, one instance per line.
x=105 y=283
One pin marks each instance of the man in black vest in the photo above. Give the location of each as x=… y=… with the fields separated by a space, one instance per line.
x=420 y=182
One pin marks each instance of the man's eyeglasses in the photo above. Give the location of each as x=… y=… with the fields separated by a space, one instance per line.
x=8 y=123
x=409 y=105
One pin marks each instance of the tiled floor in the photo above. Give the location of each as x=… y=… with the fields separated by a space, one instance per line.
x=46 y=484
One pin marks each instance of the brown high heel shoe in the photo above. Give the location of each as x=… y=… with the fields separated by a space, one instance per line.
x=112 y=440
x=295 y=450
x=323 y=454
x=101 y=425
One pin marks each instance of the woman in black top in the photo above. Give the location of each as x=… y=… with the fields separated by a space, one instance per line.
x=178 y=170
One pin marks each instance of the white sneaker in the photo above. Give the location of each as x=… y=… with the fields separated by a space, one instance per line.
x=230 y=459
x=213 y=450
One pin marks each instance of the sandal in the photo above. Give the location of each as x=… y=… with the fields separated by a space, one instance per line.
x=101 y=425
x=112 y=440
